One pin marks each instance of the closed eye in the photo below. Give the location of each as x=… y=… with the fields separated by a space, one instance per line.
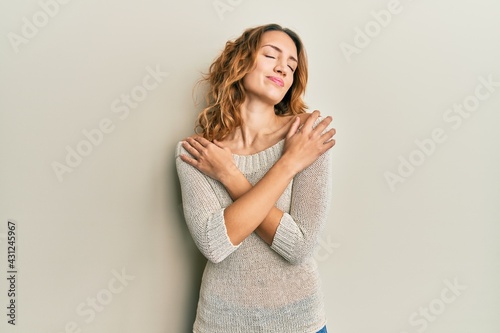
x=271 y=57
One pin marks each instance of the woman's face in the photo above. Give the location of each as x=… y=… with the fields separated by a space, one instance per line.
x=275 y=64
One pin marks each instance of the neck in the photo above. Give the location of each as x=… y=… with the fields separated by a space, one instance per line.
x=258 y=122
x=258 y=119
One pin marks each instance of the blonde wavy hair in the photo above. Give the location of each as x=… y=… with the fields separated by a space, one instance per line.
x=225 y=85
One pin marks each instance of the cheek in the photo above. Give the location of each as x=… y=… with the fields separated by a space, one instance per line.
x=290 y=83
x=263 y=68
x=248 y=80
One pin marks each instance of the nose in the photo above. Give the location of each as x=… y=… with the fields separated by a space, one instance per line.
x=280 y=68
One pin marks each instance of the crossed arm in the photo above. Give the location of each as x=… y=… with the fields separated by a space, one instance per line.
x=257 y=203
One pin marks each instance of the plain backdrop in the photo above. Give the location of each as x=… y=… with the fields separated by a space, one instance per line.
x=95 y=95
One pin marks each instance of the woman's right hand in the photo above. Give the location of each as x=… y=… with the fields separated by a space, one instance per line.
x=303 y=145
x=211 y=158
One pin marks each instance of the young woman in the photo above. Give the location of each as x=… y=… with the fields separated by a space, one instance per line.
x=256 y=189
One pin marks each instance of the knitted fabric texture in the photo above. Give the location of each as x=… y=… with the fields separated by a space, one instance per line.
x=254 y=287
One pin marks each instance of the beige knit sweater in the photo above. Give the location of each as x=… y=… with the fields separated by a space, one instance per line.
x=254 y=287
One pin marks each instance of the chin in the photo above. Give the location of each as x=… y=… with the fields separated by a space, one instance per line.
x=275 y=99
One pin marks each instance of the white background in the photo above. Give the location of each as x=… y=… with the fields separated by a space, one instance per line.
x=388 y=254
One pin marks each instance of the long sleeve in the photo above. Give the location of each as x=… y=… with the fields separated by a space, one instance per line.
x=248 y=288
x=298 y=231
x=203 y=212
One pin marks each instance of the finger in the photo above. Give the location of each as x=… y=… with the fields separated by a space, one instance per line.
x=195 y=144
x=310 y=121
x=204 y=142
x=189 y=160
x=193 y=137
x=293 y=129
x=323 y=124
x=327 y=135
x=190 y=149
x=218 y=144
x=329 y=144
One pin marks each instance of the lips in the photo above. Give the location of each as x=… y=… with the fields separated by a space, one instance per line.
x=277 y=80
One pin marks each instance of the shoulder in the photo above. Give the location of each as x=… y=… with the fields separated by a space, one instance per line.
x=179 y=149
x=304 y=116
x=184 y=169
x=288 y=121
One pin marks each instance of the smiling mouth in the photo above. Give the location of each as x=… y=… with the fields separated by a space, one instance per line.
x=276 y=80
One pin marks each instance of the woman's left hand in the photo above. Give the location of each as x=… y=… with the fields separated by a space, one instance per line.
x=211 y=158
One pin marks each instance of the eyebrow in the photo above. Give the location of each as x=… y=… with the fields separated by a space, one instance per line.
x=280 y=50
